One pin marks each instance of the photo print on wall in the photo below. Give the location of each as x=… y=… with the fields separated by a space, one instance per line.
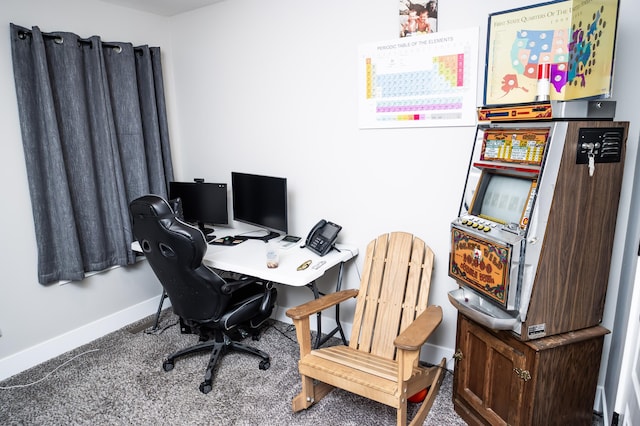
x=418 y=17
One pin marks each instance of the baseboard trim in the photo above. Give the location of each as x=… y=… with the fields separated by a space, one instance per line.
x=600 y=402
x=23 y=360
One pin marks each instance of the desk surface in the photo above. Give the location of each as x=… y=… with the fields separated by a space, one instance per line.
x=250 y=258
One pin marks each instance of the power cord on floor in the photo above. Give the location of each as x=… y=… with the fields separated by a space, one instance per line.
x=158 y=330
x=446 y=370
x=290 y=328
x=48 y=374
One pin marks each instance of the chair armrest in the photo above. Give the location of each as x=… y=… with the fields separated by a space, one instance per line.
x=414 y=336
x=320 y=304
x=231 y=286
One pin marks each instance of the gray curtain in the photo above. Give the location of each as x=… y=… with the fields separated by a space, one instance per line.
x=95 y=136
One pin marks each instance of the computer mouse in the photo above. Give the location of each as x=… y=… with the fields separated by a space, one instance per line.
x=227 y=241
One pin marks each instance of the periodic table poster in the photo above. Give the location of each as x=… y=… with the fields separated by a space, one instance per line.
x=420 y=81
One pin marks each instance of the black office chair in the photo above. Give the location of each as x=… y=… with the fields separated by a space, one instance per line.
x=218 y=311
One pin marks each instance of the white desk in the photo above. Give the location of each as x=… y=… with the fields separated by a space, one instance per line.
x=250 y=258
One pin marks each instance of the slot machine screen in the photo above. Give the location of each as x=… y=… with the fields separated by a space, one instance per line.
x=502 y=198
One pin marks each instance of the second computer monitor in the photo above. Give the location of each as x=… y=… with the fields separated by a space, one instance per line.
x=260 y=201
x=202 y=202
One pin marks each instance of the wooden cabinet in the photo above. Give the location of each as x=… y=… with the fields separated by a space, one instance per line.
x=500 y=380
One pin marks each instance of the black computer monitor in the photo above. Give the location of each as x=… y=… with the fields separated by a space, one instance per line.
x=202 y=203
x=260 y=201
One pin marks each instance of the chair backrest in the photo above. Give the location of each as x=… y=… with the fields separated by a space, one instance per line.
x=394 y=290
x=174 y=250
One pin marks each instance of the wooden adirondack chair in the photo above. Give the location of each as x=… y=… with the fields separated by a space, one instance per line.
x=391 y=323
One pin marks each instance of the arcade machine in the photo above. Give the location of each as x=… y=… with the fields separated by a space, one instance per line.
x=531 y=246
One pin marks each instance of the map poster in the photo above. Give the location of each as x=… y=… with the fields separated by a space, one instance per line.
x=561 y=50
x=420 y=81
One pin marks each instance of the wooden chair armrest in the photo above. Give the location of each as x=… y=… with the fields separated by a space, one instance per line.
x=414 y=336
x=320 y=304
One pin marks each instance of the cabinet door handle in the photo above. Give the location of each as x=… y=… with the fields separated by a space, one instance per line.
x=523 y=374
x=458 y=355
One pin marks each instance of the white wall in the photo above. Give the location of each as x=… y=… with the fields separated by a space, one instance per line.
x=270 y=87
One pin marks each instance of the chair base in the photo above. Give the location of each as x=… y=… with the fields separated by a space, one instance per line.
x=218 y=346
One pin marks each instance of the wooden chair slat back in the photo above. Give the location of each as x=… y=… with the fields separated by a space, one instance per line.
x=393 y=291
x=418 y=283
x=366 y=302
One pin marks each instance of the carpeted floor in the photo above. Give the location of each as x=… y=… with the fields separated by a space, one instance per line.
x=119 y=380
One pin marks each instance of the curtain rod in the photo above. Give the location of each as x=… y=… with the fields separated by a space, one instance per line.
x=22 y=34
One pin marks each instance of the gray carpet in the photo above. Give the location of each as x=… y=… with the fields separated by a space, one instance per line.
x=119 y=380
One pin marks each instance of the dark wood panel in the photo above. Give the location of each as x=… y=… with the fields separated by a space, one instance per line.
x=571 y=281
x=475 y=384
x=569 y=391
x=485 y=376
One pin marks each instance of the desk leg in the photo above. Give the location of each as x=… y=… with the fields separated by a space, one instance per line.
x=316 y=295
x=164 y=296
x=319 y=339
x=338 y=323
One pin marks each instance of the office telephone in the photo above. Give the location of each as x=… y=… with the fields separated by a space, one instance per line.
x=322 y=237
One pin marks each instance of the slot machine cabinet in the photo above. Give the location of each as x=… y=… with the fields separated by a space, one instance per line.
x=528 y=341
x=540 y=267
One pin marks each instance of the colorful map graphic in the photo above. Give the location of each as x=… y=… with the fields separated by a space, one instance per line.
x=570 y=43
x=534 y=48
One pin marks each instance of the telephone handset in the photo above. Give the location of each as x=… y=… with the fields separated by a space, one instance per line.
x=322 y=237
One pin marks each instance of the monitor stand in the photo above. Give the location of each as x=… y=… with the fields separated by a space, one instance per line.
x=208 y=232
x=270 y=235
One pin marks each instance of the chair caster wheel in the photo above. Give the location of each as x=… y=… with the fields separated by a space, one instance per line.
x=205 y=387
x=167 y=366
x=264 y=365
